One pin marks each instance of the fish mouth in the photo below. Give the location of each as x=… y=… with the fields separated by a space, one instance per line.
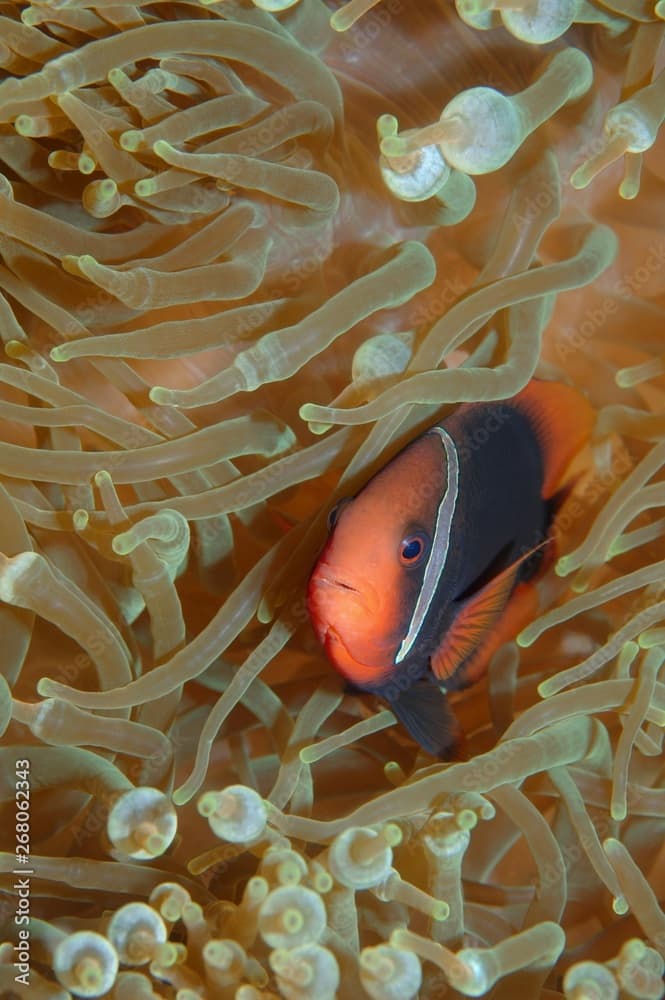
x=326 y=578
x=333 y=593
x=333 y=581
x=329 y=577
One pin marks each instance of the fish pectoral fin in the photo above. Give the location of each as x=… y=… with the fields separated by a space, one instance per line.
x=472 y=626
x=424 y=712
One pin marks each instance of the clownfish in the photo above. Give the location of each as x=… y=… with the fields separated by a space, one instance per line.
x=430 y=567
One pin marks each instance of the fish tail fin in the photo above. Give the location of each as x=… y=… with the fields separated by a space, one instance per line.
x=562 y=420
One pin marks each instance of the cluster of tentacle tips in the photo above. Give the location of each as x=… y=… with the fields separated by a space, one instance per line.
x=301 y=925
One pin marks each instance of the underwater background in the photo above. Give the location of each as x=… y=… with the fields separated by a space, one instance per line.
x=249 y=250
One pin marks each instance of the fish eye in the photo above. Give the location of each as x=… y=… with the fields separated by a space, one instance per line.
x=413 y=548
x=333 y=514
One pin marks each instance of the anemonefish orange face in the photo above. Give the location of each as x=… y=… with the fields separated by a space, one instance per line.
x=370 y=580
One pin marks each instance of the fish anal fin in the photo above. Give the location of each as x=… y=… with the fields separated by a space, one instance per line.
x=472 y=627
x=424 y=712
x=562 y=420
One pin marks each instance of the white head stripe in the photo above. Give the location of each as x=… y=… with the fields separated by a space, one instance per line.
x=440 y=542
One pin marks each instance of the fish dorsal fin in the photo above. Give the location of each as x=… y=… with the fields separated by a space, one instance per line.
x=562 y=421
x=473 y=624
x=423 y=710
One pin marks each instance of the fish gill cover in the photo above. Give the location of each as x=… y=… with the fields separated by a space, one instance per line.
x=250 y=249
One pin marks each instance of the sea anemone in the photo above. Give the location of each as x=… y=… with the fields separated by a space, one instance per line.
x=250 y=248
